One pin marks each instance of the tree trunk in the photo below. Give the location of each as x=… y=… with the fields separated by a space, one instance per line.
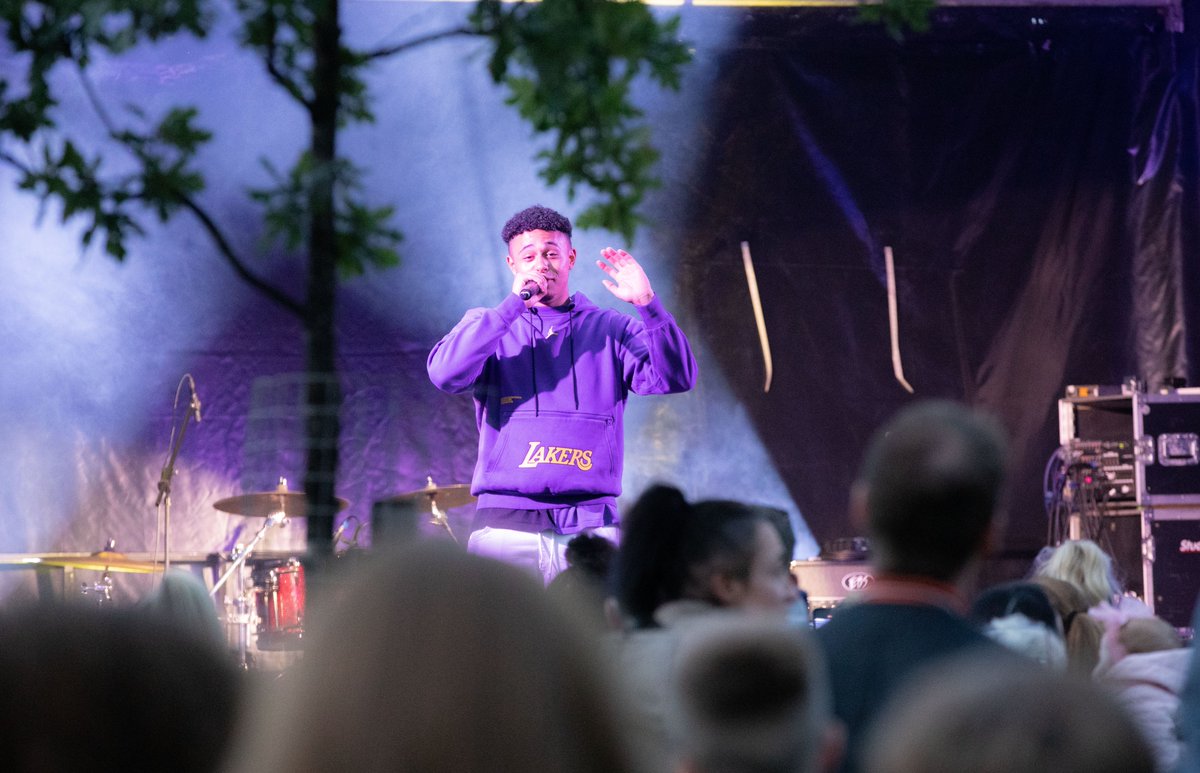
x=324 y=390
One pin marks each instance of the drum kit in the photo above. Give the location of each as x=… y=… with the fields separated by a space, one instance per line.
x=273 y=603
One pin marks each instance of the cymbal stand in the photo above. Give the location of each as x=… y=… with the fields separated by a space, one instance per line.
x=276 y=519
x=102 y=590
x=439 y=518
x=241 y=604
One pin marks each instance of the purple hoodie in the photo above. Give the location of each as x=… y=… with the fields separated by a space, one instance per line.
x=550 y=386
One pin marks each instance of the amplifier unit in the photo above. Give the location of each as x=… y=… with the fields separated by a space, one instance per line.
x=828 y=582
x=1135 y=448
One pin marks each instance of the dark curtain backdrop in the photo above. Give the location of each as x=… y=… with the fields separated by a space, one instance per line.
x=1034 y=171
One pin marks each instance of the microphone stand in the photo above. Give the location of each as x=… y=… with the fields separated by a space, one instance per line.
x=164 y=483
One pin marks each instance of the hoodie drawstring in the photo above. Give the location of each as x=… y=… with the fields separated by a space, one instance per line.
x=571 y=345
x=570 y=349
x=533 y=362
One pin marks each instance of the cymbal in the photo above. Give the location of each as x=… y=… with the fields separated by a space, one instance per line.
x=293 y=504
x=446 y=497
x=103 y=561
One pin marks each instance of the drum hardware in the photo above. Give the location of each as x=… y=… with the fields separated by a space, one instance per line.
x=352 y=542
x=102 y=590
x=240 y=618
x=435 y=500
x=293 y=504
x=238 y=559
x=103 y=561
x=279 y=601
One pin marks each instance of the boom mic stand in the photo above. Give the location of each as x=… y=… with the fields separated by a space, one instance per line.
x=168 y=470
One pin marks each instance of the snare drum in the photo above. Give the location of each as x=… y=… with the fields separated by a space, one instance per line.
x=279 y=600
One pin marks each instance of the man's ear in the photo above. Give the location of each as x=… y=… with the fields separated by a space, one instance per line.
x=728 y=591
x=993 y=535
x=512 y=264
x=833 y=747
x=859 y=519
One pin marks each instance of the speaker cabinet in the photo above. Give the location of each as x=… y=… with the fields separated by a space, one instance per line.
x=1172 y=563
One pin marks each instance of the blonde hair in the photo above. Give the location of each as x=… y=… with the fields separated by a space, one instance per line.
x=1081 y=632
x=431 y=659
x=1084 y=564
x=1149 y=634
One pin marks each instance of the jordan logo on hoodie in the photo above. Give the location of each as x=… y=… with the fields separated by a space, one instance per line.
x=540 y=454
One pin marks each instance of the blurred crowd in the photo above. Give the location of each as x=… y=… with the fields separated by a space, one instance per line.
x=687 y=648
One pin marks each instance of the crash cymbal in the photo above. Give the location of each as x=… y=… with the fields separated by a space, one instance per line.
x=446 y=497
x=103 y=561
x=293 y=504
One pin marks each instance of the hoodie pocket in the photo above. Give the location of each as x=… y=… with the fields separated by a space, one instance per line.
x=554 y=453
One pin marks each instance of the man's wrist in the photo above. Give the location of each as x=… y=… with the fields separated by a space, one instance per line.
x=643 y=300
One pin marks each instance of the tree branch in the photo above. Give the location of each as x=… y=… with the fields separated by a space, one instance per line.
x=14 y=162
x=214 y=231
x=286 y=83
x=231 y=257
x=383 y=53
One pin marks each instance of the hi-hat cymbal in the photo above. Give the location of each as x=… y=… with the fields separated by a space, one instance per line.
x=103 y=561
x=263 y=504
x=446 y=497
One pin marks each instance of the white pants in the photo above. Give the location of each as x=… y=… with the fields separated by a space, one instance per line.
x=543 y=553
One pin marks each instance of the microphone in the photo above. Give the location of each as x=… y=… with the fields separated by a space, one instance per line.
x=195 y=400
x=529 y=290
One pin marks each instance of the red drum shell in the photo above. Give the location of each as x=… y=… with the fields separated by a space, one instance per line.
x=279 y=600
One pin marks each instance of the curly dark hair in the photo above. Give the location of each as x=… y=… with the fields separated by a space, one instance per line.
x=535 y=218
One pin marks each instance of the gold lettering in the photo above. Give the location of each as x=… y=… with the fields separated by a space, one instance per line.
x=530 y=459
x=540 y=454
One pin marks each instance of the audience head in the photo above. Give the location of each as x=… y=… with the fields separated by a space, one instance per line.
x=753 y=698
x=929 y=489
x=1026 y=598
x=783 y=524
x=82 y=688
x=432 y=659
x=989 y=715
x=584 y=583
x=1085 y=565
x=1149 y=634
x=1019 y=616
x=183 y=599
x=1125 y=635
x=1081 y=631
x=724 y=553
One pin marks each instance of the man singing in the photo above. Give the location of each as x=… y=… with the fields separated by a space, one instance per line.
x=550 y=375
